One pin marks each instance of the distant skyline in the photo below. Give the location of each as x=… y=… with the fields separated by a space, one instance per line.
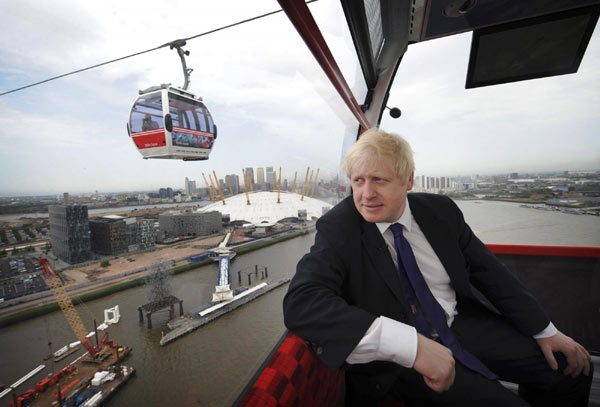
x=201 y=186
x=271 y=102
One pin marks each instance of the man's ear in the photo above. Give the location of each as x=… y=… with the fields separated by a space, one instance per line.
x=411 y=181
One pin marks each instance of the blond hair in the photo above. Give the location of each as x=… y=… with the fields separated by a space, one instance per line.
x=376 y=144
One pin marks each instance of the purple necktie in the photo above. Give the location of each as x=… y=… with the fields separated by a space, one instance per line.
x=415 y=287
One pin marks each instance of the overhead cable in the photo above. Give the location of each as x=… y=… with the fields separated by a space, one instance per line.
x=148 y=50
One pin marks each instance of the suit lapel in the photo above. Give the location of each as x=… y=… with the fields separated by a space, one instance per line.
x=379 y=255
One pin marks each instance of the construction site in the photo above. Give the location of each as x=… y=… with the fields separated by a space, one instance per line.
x=90 y=379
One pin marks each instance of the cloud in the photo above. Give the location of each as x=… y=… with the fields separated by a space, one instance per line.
x=270 y=99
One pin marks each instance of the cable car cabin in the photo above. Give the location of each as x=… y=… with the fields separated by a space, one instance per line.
x=167 y=122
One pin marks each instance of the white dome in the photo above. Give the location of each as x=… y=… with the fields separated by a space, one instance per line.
x=264 y=207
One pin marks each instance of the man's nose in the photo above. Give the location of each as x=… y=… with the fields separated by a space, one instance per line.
x=369 y=190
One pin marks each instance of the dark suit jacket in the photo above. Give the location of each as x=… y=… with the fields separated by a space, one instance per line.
x=348 y=279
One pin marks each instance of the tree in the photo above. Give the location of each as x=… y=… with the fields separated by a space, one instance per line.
x=104 y=263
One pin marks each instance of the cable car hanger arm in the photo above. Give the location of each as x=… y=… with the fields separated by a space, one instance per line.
x=186 y=71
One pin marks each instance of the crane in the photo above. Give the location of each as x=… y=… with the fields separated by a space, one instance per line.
x=68 y=309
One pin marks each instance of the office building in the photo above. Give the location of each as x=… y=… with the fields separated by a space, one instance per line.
x=234 y=180
x=260 y=178
x=189 y=187
x=140 y=234
x=113 y=234
x=270 y=174
x=250 y=177
x=70 y=233
x=165 y=192
x=108 y=235
x=188 y=223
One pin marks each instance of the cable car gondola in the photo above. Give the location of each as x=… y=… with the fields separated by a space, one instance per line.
x=170 y=122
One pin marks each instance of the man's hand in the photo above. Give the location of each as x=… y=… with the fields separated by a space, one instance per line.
x=578 y=358
x=435 y=362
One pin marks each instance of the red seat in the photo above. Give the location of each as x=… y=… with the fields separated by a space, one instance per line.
x=295 y=376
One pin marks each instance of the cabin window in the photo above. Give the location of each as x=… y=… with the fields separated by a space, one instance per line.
x=147 y=113
x=190 y=114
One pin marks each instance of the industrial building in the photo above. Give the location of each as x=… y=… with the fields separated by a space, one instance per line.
x=188 y=223
x=70 y=233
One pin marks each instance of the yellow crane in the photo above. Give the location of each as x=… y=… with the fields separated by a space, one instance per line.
x=66 y=305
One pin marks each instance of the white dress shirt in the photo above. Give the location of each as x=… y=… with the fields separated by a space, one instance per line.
x=391 y=340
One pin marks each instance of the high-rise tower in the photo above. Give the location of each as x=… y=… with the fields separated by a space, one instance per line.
x=260 y=177
x=70 y=233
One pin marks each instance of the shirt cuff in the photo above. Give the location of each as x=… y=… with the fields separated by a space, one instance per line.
x=387 y=340
x=546 y=333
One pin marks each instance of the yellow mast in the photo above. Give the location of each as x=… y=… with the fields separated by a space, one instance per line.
x=310 y=183
x=251 y=184
x=219 y=186
x=294 y=186
x=212 y=199
x=246 y=187
x=279 y=187
x=315 y=184
x=213 y=188
x=230 y=189
x=304 y=185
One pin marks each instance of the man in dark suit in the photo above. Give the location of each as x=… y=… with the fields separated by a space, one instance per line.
x=352 y=302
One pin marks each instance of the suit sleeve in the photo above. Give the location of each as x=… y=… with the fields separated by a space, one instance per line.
x=498 y=284
x=314 y=306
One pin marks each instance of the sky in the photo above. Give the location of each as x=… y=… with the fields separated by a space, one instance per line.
x=271 y=102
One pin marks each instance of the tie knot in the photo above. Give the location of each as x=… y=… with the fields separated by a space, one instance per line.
x=396 y=229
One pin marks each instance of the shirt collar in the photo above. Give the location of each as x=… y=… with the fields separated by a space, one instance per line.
x=405 y=220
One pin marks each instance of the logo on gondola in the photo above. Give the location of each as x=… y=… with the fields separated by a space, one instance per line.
x=189 y=139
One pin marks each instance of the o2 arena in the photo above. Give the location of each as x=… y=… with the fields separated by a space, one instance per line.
x=269 y=207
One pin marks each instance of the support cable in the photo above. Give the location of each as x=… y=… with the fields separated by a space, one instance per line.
x=148 y=50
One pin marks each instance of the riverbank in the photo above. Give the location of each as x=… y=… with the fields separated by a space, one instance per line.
x=41 y=307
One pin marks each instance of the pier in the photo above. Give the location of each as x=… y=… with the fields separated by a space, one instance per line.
x=168 y=302
x=208 y=313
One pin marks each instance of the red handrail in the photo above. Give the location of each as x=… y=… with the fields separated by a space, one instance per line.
x=557 y=251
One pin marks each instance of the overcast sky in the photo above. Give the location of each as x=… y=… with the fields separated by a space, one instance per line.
x=270 y=100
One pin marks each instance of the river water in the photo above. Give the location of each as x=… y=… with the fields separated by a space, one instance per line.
x=210 y=366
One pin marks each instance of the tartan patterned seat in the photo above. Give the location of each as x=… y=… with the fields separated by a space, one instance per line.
x=295 y=376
